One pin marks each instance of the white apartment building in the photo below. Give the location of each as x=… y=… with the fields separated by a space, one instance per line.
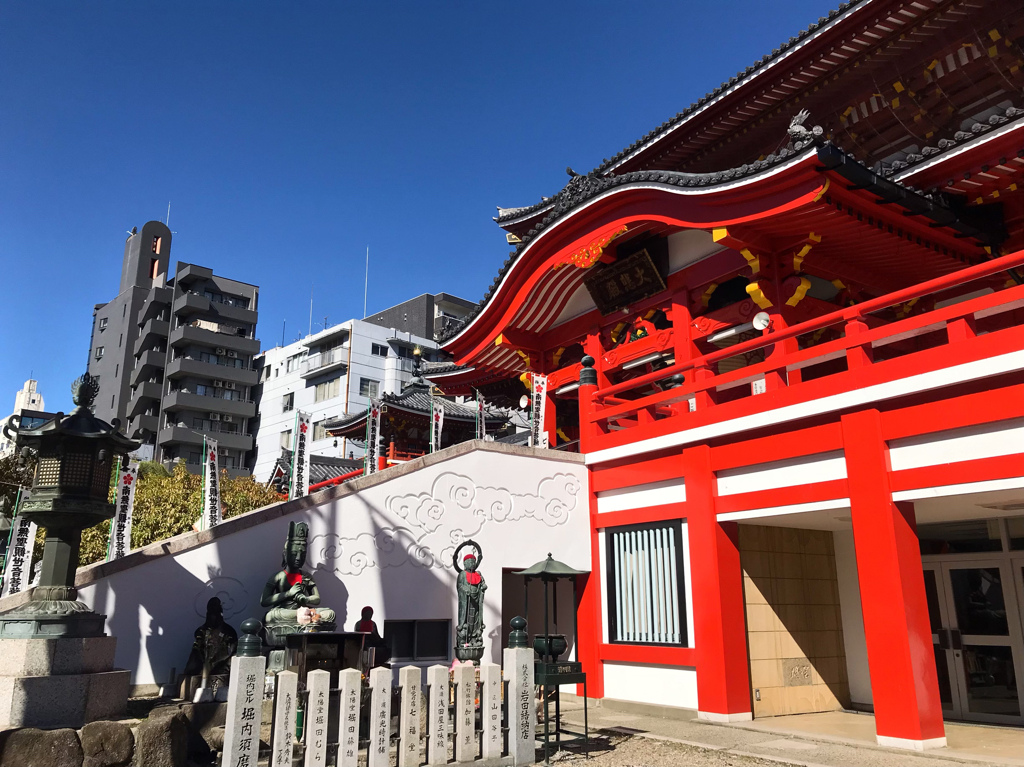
x=329 y=374
x=28 y=403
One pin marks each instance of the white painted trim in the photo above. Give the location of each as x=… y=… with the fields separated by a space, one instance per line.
x=934 y=379
x=1013 y=483
x=603 y=584
x=778 y=511
x=910 y=745
x=790 y=472
x=711 y=716
x=687 y=582
x=987 y=440
x=946 y=156
x=642 y=496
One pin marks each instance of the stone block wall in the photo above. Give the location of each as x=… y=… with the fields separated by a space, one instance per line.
x=794 y=629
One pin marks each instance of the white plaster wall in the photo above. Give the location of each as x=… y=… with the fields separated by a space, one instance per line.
x=674 y=686
x=983 y=441
x=688 y=247
x=642 y=496
x=821 y=467
x=389 y=546
x=853 y=620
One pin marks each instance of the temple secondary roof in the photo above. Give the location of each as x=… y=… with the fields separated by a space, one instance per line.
x=321 y=467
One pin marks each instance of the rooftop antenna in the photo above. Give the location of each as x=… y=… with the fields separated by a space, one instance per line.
x=284 y=323
x=366 y=282
x=167 y=223
x=310 y=311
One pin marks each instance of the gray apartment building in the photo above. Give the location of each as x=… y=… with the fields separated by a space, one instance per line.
x=175 y=355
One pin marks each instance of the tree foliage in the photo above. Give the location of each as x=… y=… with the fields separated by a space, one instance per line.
x=13 y=476
x=168 y=504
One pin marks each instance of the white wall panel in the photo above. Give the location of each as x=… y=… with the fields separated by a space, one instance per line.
x=954 y=445
x=642 y=496
x=674 y=686
x=822 y=467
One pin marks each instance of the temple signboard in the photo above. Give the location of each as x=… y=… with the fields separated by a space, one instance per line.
x=627 y=281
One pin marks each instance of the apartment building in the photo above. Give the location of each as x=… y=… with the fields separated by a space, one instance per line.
x=183 y=365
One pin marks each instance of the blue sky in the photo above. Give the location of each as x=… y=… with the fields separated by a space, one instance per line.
x=289 y=136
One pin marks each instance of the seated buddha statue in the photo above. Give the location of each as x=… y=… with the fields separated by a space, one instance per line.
x=291 y=593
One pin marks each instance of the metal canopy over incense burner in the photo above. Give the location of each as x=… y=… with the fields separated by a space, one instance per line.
x=75 y=457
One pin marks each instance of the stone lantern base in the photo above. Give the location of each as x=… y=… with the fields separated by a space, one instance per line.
x=60 y=682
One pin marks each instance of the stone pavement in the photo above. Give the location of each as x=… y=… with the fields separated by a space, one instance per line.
x=835 y=739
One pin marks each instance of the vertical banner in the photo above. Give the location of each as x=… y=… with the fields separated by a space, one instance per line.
x=211 y=485
x=19 y=550
x=436 y=423
x=124 y=503
x=538 y=437
x=481 y=421
x=300 y=455
x=372 y=436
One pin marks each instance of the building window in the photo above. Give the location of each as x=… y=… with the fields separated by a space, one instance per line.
x=319 y=432
x=328 y=389
x=379 y=349
x=292 y=363
x=645 y=580
x=418 y=640
x=194 y=459
x=404 y=352
x=103 y=323
x=99 y=352
x=368 y=388
x=156 y=244
x=288 y=402
x=286 y=439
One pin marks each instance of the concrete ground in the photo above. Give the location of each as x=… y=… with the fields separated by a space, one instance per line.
x=834 y=739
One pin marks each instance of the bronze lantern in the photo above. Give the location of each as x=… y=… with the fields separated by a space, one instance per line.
x=75 y=457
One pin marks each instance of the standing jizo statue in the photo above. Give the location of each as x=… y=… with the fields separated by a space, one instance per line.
x=469 y=634
x=292 y=595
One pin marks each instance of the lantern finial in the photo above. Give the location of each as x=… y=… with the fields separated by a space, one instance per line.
x=84 y=390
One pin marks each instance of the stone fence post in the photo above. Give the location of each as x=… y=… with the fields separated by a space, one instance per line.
x=522 y=716
x=245 y=700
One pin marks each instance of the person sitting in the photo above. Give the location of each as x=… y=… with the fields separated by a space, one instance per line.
x=366 y=625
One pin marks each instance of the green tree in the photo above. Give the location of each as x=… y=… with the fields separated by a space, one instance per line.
x=168 y=504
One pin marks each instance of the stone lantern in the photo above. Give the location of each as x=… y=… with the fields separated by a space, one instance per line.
x=75 y=457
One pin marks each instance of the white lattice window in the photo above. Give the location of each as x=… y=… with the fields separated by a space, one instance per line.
x=646 y=594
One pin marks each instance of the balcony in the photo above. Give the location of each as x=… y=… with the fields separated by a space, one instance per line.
x=153 y=331
x=156 y=301
x=184 y=435
x=187 y=273
x=190 y=303
x=325 y=362
x=142 y=425
x=187 y=334
x=145 y=396
x=182 y=400
x=863 y=353
x=189 y=366
x=146 y=365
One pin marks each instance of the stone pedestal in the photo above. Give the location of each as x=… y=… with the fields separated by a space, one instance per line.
x=62 y=682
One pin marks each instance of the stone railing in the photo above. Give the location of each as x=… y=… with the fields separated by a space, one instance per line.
x=453 y=699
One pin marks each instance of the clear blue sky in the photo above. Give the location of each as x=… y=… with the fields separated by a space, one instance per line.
x=288 y=136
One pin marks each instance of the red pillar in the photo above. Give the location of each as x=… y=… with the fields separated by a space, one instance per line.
x=589 y=613
x=904 y=685
x=719 y=624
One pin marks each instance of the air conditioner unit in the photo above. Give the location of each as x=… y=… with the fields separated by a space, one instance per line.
x=232 y=354
x=230 y=385
x=224 y=451
x=228 y=419
x=218 y=384
x=220 y=351
x=214 y=416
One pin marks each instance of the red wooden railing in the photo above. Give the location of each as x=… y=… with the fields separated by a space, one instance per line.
x=781 y=366
x=337 y=480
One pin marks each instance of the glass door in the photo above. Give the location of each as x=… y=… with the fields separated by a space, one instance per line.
x=981 y=629
x=938 y=614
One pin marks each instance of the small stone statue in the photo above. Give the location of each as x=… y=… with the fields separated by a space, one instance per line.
x=292 y=595
x=214 y=644
x=469 y=633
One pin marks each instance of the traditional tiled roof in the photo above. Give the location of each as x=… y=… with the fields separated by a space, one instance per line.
x=321 y=467
x=583 y=188
x=417 y=399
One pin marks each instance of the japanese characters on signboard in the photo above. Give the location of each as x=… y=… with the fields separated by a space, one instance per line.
x=124 y=503
x=627 y=281
x=300 y=455
x=211 y=484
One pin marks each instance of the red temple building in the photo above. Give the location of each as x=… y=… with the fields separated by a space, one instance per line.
x=785 y=328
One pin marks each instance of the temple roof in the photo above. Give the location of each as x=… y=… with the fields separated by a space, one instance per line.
x=855 y=176
x=416 y=400
x=321 y=467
